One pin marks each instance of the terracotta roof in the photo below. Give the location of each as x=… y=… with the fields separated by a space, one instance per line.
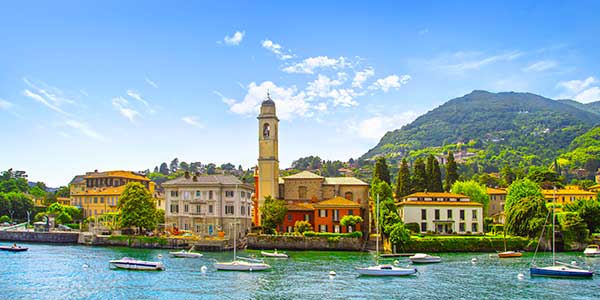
x=594 y=187
x=304 y=175
x=117 y=173
x=493 y=191
x=440 y=203
x=561 y=192
x=336 y=202
x=434 y=195
x=299 y=207
x=344 y=181
x=101 y=191
x=206 y=180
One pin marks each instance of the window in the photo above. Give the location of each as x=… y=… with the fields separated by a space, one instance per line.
x=290 y=229
x=266 y=130
x=198 y=209
x=462 y=215
x=474 y=214
x=461 y=227
x=322 y=213
x=249 y=212
x=174 y=208
x=336 y=228
x=307 y=217
x=289 y=217
x=174 y=194
x=423 y=216
x=95 y=200
x=197 y=227
x=185 y=208
x=323 y=228
x=198 y=193
x=210 y=209
x=302 y=192
x=101 y=199
x=449 y=214
x=243 y=210
x=243 y=195
x=336 y=215
x=424 y=227
x=187 y=195
x=350 y=229
x=210 y=195
x=474 y=227
x=229 y=209
x=350 y=212
x=349 y=196
x=229 y=194
x=186 y=226
x=437 y=214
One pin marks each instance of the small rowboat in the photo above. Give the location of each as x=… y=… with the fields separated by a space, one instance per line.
x=508 y=254
x=185 y=254
x=133 y=264
x=422 y=258
x=592 y=251
x=13 y=248
x=274 y=254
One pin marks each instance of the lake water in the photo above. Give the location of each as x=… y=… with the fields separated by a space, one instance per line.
x=57 y=272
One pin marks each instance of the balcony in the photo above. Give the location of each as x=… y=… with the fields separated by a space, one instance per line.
x=198 y=201
x=198 y=214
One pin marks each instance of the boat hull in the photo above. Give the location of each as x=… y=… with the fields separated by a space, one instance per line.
x=374 y=271
x=241 y=266
x=13 y=249
x=185 y=254
x=426 y=260
x=509 y=254
x=274 y=255
x=560 y=272
x=137 y=265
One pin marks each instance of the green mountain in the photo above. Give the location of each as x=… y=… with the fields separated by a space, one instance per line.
x=593 y=107
x=498 y=128
x=583 y=152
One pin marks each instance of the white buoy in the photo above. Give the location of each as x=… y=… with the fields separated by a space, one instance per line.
x=160 y=256
x=203 y=269
x=473 y=260
x=521 y=276
x=332 y=273
x=85 y=266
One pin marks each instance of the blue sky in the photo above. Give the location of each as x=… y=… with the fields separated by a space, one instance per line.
x=128 y=84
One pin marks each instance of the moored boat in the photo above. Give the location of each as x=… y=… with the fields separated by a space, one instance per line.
x=13 y=248
x=250 y=259
x=185 y=254
x=241 y=265
x=274 y=254
x=133 y=264
x=508 y=254
x=592 y=251
x=386 y=270
x=422 y=258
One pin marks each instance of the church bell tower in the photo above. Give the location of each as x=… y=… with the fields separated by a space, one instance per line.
x=268 y=152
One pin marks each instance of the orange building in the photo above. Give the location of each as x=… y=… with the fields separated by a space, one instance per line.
x=297 y=212
x=329 y=213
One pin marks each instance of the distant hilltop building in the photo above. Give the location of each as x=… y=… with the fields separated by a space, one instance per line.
x=322 y=201
x=569 y=194
x=97 y=193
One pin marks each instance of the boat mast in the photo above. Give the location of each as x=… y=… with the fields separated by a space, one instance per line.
x=377 y=223
x=553 y=231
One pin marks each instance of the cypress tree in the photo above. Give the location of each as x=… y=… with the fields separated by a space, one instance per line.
x=429 y=172
x=403 y=184
x=381 y=171
x=451 y=172
x=419 y=178
x=436 y=177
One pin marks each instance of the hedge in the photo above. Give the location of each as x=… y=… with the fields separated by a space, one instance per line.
x=466 y=244
x=355 y=234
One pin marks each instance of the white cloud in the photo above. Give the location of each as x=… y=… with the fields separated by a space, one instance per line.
x=85 y=129
x=137 y=96
x=322 y=86
x=541 y=66
x=121 y=104
x=361 y=76
x=234 y=40
x=321 y=107
x=5 y=105
x=309 y=65
x=226 y=100
x=290 y=103
x=390 y=82
x=84 y=92
x=277 y=50
x=53 y=94
x=193 y=121
x=43 y=101
x=461 y=62
x=151 y=83
x=375 y=127
x=343 y=97
x=583 y=91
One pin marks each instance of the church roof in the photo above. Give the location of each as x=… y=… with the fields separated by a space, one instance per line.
x=299 y=207
x=205 y=180
x=304 y=175
x=344 y=181
x=493 y=191
x=336 y=202
x=268 y=101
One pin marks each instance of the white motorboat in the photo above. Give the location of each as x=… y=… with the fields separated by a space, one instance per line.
x=241 y=265
x=592 y=250
x=386 y=270
x=383 y=270
x=133 y=264
x=274 y=254
x=185 y=254
x=422 y=258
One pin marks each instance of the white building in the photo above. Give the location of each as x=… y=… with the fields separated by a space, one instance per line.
x=207 y=205
x=442 y=213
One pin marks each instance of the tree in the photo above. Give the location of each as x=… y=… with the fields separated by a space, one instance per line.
x=474 y=191
x=272 y=213
x=507 y=175
x=527 y=216
x=545 y=177
x=184 y=166
x=174 y=166
x=572 y=225
x=4 y=219
x=302 y=226
x=155 y=169
x=16 y=205
x=137 y=207
x=419 y=178
x=37 y=192
x=451 y=172
x=403 y=183
x=399 y=234
x=211 y=169
x=521 y=189
x=388 y=213
x=63 y=191
x=350 y=220
x=164 y=169
x=588 y=210
x=435 y=177
x=381 y=170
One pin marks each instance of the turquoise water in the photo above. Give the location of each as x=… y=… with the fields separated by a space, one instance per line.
x=57 y=272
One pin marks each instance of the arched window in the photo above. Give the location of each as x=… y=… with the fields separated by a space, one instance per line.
x=302 y=192
x=349 y=196
x=266 y=130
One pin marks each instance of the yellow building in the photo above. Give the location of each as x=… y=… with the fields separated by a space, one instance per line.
x=97 y=193
x=268 y=152
x=569 y=194
x=595 y=188
x=496 y=204
x=63 y=200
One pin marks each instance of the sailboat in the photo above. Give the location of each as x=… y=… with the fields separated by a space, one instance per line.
x=240 y=265
x=508 y=254
x=557 y=269
x=383 y=270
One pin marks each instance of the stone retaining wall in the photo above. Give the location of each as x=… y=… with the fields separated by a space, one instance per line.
x=304 y=243
x=39 y=237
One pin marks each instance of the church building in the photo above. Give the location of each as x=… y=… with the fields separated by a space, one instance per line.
x=322 y=201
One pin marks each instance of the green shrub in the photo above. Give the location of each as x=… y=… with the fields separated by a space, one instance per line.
x=414 y=227
x=73 y=225
x=4 y=219
x=333 y=239
x=355 y=234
